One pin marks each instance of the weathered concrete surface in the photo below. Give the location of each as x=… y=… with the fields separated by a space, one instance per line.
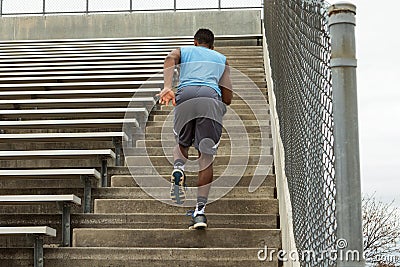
x=129 y=25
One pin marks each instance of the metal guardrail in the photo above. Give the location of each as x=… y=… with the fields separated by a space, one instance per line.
x=130 y=6
x=312 y=58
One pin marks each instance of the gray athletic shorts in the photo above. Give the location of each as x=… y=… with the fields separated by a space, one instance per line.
x=198 y=118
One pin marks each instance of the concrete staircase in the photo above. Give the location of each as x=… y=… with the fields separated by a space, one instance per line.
x=128 y=227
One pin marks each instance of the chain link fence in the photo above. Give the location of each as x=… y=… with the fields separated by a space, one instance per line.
x=43 y=7
x=300 y=49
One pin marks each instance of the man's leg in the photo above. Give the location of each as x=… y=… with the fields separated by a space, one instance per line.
x=203 y=188
x=205 y=176
x=181 y=154
x=178 y=178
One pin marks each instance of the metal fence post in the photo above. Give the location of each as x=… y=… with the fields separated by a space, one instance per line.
x=347 y=163
x=174 y=5
x=1 y=8
x=44 y=7
x=87 y=7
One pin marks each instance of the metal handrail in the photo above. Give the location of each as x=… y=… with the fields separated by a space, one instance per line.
x=130 y=10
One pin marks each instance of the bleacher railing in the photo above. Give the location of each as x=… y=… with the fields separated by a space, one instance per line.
x=310 y=87
x=54 y=7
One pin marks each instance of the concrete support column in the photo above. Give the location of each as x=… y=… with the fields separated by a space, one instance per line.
x=347 y=163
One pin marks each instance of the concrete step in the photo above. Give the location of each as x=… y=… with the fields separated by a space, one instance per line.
x=219 y=160
x=168 y=135
x=261 y=106
x=125 y=170
x=239 y=111
x=251 y=129
x=159 y=238
x=223 y=142
x=222 y=206
x=143 y=203
x=222 y=150
x=121 y=177
x=141 y=221
x=230 y=170
x=244 y=117
x=245 y=99
x=128 y=181
x=138 y=193
x=226 y=123
x=144 y=257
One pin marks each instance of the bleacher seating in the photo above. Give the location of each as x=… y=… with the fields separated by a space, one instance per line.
x=63 y=107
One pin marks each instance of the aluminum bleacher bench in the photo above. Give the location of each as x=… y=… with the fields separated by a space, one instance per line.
x=117 y=138
x=104 y=154
x=81 y=85
x=148 y=102
x=81 y=78
x=86 y=176
x=80 y=93
x=70 y=137
x=80 y=59
x=127 y=124
x=88 y=64
x=33 y=53
x=98 y=41
x=12 y=55
x=86 y=58
x=146 y=40
x=83 y=56
x=64 y=200
x=51 y=72
x=151 y=52
x=38 y=232
x=140 y=114
x=54 y=154
x=67 y=50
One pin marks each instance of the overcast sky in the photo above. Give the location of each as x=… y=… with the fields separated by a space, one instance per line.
x=379 y=96
x=378 y=79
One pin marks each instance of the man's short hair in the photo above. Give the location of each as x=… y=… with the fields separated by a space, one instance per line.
x=205 y=36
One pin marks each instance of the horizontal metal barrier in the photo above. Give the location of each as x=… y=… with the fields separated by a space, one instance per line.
x=43 y=7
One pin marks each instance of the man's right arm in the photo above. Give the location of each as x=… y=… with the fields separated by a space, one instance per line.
x=167 y=94
x=225 y=84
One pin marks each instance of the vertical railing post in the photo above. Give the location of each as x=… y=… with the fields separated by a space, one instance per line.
x=44 y=7
x=1 y=8
x=38 y=252
x=87 y=7
x=174 y=5
x=347 y=163
x=219 y=4
x=130 y=6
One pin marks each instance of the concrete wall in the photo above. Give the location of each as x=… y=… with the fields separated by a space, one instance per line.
x=129 y=25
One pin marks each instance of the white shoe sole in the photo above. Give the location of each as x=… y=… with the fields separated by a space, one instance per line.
x=198 y=226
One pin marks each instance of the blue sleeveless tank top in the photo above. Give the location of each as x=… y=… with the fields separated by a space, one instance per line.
x=201 y=66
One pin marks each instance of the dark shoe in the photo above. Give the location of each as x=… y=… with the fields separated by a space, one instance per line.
x=178 y=186
x=199 y=222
